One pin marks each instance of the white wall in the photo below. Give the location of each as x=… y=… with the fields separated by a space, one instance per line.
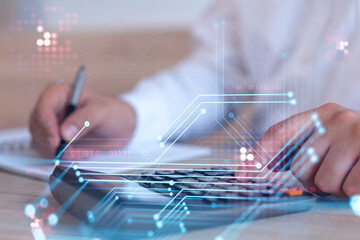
x=126 y=14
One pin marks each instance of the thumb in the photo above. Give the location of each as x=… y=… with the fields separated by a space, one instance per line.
x=80 y=118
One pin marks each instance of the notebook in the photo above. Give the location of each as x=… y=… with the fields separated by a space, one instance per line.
x=16 y=155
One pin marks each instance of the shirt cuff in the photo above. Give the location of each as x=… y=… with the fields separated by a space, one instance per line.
x=151 y=116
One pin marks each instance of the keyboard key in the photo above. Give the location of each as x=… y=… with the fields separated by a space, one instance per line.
x=293 y=192
x=183 y=172
x=175 y=177
x=219 y=173
x=208 y=179
x=191 y=183
x=164 y=172
x=157 y=178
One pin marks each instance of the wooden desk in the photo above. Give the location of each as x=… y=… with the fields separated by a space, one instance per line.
x=116 y=62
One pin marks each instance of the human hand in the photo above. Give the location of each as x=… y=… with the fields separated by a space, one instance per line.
x=108 y=117
x=328 y=160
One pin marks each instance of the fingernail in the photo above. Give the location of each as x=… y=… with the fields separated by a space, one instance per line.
x=70 y=131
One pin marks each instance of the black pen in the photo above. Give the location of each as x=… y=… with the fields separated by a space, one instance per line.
x=73 y=102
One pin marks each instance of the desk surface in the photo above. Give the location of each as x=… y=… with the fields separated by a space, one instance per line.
x=324 y=221
x=115 y=63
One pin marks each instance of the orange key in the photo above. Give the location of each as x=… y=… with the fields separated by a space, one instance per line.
x=293 y=192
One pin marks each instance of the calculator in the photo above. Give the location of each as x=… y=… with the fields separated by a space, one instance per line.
x=204 y=197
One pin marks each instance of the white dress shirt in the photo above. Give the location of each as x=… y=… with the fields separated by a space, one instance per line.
x=298 y=45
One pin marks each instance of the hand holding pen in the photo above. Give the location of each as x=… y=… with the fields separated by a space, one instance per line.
x=56 y=119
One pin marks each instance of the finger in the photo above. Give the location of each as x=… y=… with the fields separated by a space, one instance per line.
x=44 y=119
x=334 y=169
x=351 y=184
x=76 y=121
x=305 y=166
x=267 y=149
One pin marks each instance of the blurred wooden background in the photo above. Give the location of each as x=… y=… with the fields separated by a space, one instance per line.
x=115 y=62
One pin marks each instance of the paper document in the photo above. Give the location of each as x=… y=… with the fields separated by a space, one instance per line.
x=17 y=156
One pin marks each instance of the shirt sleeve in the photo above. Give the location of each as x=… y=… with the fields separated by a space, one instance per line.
x=169 y=104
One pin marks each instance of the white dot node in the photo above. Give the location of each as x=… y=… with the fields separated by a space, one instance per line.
x=290 y=94
x=159 y=138
x=243 y=150
x=311 y=151
x=355 y=204
x=156 y=217
x=86 y=123
x=161 y=144
x=314 y=116
x=250 y=157
x=314 y=159
x=321 y=131
x=203 y=111
x=258 y=165
x=293 y=102
x=40 y=29
x=40 y=42
x=242 y=157
x=47 y=42
x=47 y=35
x=318 y=124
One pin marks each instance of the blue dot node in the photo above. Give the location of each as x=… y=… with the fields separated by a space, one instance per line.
x=44 y=203
x=53 y=219
x=30 y=210
x=159 y=224
x=150 y=234
x=90 y=216
x=156 y=217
